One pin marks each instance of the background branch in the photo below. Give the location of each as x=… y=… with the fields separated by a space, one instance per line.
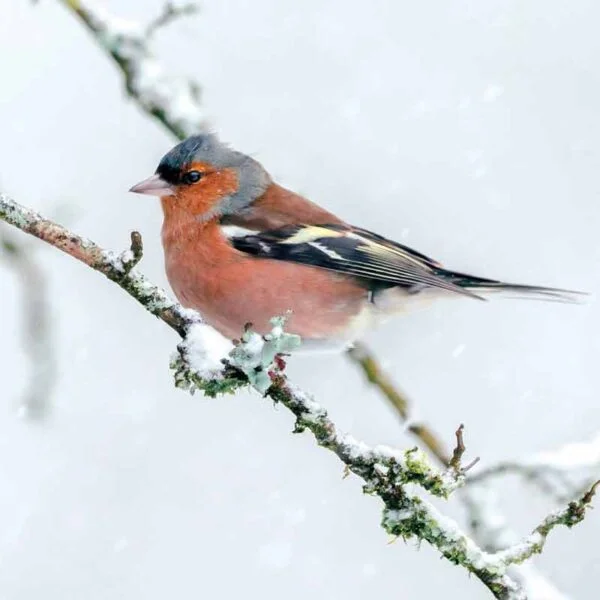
x=173 y=101
x=37 y=327
x=363 y=358
x=562 y=474
x=171 y=12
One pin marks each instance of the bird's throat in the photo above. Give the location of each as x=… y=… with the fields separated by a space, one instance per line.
x=186 y=234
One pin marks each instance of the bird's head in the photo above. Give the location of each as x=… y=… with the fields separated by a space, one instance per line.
x=205 y=178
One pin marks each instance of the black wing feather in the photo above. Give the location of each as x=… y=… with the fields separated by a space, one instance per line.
x=356 y=252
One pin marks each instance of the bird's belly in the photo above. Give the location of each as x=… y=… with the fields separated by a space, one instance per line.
x=320 y=305
x=395 y=301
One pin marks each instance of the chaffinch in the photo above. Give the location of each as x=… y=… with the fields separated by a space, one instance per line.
x=335 y=279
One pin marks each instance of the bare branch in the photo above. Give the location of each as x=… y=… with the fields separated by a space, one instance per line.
x=458 y=453
x=459 y=450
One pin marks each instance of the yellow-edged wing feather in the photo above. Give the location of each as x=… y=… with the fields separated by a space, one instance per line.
x=352 y=251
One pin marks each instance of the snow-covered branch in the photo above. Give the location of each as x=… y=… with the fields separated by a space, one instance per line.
x=564 y=474
x=534 y=543
x=492 y=531
x=174 y=101
x=255 y=360
x=117 y=267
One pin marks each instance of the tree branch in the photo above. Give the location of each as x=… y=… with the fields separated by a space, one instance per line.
x=487 y=524
x=359 y=354
x=386 y=472
x=562 y=474
x=171 y=12
x=534 y=544
x=112 y=266
x=174 y=102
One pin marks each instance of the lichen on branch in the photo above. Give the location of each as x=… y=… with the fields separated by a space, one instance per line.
x=257 y=361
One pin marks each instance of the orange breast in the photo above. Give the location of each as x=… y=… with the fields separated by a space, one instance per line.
x=230 y=288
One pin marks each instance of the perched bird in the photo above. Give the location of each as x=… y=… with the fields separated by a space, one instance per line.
x=335 y=279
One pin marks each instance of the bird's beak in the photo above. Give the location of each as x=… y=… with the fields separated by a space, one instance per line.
x=153 y=186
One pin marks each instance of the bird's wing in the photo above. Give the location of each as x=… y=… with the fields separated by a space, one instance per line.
x=352 y=251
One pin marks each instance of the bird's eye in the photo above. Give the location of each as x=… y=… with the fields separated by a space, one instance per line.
x=192 y=177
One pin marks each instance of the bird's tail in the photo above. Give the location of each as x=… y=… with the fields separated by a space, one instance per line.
x=482 y=287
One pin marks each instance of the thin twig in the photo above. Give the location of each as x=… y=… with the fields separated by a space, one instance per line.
x=171 y=12
x=573 y=514
x=89 y=253
x=459 y=451
x=562 y=474
x=130 y=258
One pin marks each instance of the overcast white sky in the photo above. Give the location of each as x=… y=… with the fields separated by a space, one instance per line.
x=467 y=130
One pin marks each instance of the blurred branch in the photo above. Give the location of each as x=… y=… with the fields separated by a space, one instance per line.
x=174 y=102
x=171 y=12
x=385 y=471
x=37 y=331
x=562 y=473
x=360 y=355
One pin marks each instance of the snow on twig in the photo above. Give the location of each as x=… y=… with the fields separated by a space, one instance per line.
x=487 y=524
x=387 y=473
x=174 y=101
x=114 y=266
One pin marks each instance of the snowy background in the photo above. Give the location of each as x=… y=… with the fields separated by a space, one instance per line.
x=467 y=130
